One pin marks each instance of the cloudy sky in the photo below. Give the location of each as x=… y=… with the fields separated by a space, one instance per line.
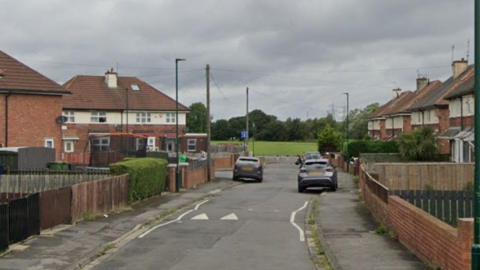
x=297 y=57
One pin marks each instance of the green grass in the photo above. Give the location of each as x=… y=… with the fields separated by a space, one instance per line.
x=263 y=148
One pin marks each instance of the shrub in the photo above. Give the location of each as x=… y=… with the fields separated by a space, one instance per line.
x=419 y=145
x=368 y=146
x=329 y=140
x=147 y=176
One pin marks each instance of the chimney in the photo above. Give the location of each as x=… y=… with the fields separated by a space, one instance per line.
x=396 y=92
x=111 y=78
x=458 y=67
x=422 y=82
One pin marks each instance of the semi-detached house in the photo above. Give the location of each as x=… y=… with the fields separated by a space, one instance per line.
x=30 y=107
x=102 y=108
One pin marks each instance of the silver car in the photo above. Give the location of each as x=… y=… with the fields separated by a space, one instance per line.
x=317 y=173
x=248 y=167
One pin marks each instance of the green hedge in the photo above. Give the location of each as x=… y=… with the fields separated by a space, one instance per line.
x=366 y=146
x=147 y=176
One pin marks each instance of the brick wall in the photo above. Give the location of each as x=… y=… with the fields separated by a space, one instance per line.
x=468 y=121
x=383 y=131
x=433 y=241
x=31 y=120
x=225 y=162
x=430 y=239
x=407 y=124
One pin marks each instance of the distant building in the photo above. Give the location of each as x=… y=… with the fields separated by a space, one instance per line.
x=30 y=107
x=106 y=113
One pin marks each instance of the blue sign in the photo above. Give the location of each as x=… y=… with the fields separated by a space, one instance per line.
x=244 y=135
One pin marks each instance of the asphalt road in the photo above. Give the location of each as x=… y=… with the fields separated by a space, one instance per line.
x=246 y=227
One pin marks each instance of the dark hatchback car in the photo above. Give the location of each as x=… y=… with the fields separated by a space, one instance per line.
x=249 y=168
x=317 y=173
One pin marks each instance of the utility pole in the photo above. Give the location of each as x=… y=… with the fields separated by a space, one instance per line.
x=177 y=144
x=207 y=74
x=476 y=193
x=346 y=130
x=246 y=128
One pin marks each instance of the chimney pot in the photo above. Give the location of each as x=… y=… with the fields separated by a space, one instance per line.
x=396 y=92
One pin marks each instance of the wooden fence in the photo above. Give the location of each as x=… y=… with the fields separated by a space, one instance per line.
x=447 y=206
x=425 y=176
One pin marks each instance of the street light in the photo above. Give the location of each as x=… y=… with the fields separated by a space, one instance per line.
x=476 y=194
x=177 y=169
x=346 y=130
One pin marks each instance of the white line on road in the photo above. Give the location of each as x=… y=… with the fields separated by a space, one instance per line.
x=172 y=221
x=231 y=216
x=201 y=216
x=292 y=221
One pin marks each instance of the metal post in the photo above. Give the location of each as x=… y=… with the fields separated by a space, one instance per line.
x=346 y=131
x=177 y=169
x=209 y=173
x=246 y=128
x=476 y=194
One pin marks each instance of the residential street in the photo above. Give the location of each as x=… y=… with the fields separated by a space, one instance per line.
x=246 y=227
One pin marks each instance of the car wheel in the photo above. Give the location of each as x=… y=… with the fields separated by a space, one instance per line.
x=301 y=189
x=334 y=188
x=260 y=180
x=235 y=178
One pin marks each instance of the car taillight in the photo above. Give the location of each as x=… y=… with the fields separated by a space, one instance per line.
x=329 y=170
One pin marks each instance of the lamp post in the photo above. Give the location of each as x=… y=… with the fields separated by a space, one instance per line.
x=177 y=169
x=346 y=130
x=476 y=194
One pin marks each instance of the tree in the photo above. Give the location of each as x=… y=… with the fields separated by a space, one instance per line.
x=419 y=145
x=197 y=118
x=358 y=126
x=221 y=130
x=329 y=140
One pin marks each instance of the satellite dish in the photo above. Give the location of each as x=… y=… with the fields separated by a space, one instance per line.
x=61 y=119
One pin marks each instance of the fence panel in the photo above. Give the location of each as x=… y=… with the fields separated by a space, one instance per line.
x=447 y=206
x=24 y=219
x=4 y=226
x=55 y=207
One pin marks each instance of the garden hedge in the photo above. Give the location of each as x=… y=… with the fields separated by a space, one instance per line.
x=367 y=146
x=147 y=176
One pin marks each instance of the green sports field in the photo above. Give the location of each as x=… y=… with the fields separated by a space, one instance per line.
x=263 y=148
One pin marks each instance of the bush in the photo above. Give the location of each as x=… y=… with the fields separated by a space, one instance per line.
x=368 y=146
x=329 y=140
x=147 y=176
x=419 y=145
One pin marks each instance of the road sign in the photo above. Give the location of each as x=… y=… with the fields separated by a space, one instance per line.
x=244 y=135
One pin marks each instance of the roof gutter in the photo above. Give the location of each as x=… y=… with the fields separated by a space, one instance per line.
x=30 y=92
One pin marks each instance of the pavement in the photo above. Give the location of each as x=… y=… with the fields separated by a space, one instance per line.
x=250 y=226
x=348 y=234
x=73 y=246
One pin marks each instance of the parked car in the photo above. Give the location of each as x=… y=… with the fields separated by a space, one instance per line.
x=312 y=155
x=317 y=173
x=249 y=168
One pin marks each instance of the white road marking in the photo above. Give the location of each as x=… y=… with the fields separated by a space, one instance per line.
x=215 y=191
x=250 y=209
x=202 y=216
x=179 y=218
x=200 y=204
x=231 y=216
x=292 y=221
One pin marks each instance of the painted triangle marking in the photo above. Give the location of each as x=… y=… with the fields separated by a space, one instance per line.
x=202 y=216
x=231 y=216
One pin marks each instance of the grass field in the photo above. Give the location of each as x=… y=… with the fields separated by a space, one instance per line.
x=263 y=148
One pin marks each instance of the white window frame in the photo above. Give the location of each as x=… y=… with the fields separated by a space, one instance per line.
x=144 y=117
x=135 y=87
x=69 y=116
x=72 y=145
x=190 y=143
x=96 y=116
x=151 y=143
x=170 y=117
x=101 y=143
x=48 y=141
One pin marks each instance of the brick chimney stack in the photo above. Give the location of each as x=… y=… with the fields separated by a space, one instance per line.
x=111 y=78
x=422 y=82
x=458 y=67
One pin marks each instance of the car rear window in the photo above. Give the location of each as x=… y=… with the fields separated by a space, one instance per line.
x=316 y=163
x=248 y=160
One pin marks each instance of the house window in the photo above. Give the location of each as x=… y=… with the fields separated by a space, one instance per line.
x=170 y=118
x=98 y=117
x=144 y=117
x=69 y=146
x=192 y=145
x=49 y=143
x=468 y=105
x=135 y=87
x=69 y=116
x=139 y=144
x=101 y=144
x=428 y=116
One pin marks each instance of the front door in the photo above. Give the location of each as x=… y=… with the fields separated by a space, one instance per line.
x=170 y=145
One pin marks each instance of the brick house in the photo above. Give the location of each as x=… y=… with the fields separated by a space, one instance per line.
x=461 y=119
x=103 y=109
x=30 y=107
